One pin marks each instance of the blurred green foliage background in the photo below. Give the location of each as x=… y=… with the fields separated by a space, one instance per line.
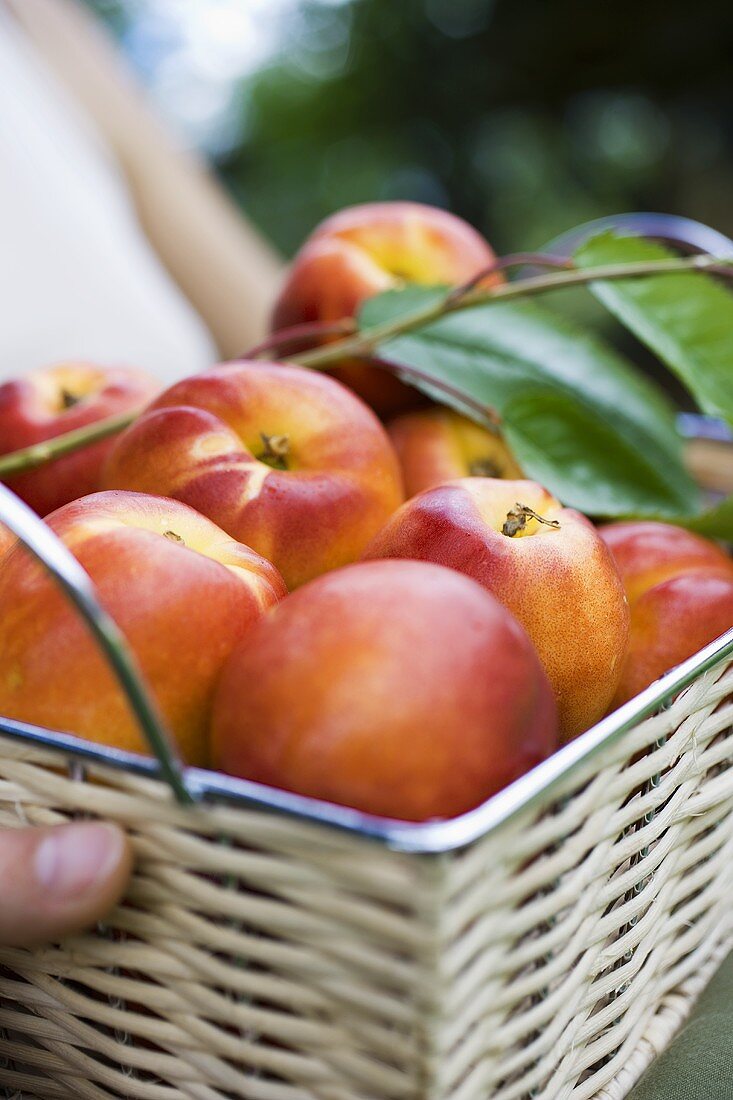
x=525 y=116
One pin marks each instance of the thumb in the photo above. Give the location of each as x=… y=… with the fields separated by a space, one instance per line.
x=59 y=880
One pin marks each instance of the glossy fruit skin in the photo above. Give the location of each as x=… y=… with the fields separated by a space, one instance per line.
x=560 y=583
x=680 y=591
x=364 y=250
x=437 y=445
x=181 y=605
x=201 y=442
x=32 y=410
x=7 y=538
x=398 y=688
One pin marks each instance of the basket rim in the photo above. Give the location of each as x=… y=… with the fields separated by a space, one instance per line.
x=420 y=838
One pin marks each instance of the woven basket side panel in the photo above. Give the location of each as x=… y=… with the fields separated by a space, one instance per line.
x=255 y=956
x=573 y=941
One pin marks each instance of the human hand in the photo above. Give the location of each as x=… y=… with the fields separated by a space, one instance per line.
x=59 y=880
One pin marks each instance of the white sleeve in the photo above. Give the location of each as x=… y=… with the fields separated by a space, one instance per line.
x=78 y=278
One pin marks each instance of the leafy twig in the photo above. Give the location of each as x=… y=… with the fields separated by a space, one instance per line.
x=365 y=343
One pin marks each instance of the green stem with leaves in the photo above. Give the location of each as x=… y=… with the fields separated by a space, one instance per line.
x=363 y=344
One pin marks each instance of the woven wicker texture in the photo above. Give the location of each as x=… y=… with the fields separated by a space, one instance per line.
x=260 y=957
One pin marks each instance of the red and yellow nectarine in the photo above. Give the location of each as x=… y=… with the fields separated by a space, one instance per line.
x=59 y=399
x=436 y=445
x=398 y=688
x=180 y=589
x=364 y=250
x=680 y=591
x=548 y=565
x=285 y=459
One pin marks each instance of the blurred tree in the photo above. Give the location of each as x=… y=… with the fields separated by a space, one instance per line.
x=524 y=116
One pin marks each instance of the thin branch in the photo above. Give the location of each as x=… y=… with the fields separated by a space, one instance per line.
x=488 y=415
x=309 y=330
x=365 y=343
x=38 y=454
x=514 y=259
x=368 y=339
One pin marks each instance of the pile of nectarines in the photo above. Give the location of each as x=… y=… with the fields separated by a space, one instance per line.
x=383 y=613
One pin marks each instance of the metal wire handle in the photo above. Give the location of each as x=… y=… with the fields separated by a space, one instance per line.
x=683 y=233
x=77 y=585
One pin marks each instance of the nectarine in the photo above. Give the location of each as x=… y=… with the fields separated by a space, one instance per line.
x=680 y=591
x=436 y=445
x=364 y=250
x=7 y=538
x=285 y=459
x=180 y=589
x=398 y=688
x=59 y=399
x=546 y=563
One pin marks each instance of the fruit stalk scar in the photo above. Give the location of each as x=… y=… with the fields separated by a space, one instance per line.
x=174 y=537
x=516 y=520
x=276 y=450
x=484 y=467
x=69 y=399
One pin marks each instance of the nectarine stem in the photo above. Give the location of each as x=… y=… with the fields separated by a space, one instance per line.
x=69 y=399
x=516 y=520
x=484 y=467
x=276 y=450
x=541 y=284
x=488 y=416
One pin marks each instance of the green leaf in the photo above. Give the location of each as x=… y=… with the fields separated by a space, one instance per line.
x=716 y=522
x=580 y=419
x=563 y=444
x=686 y=318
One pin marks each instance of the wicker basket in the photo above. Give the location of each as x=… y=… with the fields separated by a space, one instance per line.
x=547 y=945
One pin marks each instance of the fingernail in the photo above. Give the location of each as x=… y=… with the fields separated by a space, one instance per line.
x=71 y=857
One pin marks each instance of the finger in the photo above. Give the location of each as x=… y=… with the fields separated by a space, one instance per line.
x=59 y=880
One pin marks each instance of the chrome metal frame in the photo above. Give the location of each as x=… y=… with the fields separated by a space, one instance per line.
x=683 y=233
